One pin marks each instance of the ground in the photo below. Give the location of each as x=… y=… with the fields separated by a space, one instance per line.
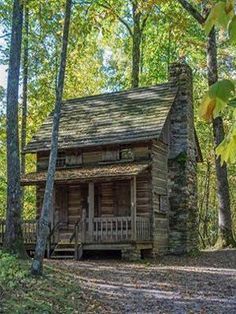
x=200 y=284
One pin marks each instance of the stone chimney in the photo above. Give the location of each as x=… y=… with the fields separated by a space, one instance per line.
x=182 y=180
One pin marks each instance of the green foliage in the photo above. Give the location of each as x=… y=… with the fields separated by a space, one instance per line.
x=56 y=292
x=227 y=148
x=99 y=59
x=11 y=272
x=216 y=99
x=217 y=17
x=232 y=30
x=222 y=92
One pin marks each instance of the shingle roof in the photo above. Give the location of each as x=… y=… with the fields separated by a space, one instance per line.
x=122 y=117
x=87 y=173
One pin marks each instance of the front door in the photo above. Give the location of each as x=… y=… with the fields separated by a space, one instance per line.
x=122 y=198
x=61 y=197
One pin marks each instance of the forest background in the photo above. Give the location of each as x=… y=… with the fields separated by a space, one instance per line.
x=100 y=60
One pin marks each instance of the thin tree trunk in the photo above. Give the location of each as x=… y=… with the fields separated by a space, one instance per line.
x=205 y=221
x=13 y=240
x=136 y=49
x=37 y=265
x=225 y=236
x=25 y=89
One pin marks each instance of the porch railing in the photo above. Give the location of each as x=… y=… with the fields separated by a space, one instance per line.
x=29 y=229
x=105 y=229
x=143 y=228
x=112 y=229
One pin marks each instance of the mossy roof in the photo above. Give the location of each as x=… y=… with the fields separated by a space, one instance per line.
x=121 y=117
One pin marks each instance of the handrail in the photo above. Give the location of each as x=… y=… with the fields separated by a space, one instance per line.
x=73 y=234
x=79 y=225
x=54 y=229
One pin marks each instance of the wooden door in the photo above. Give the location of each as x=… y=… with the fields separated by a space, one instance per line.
x=62 y=204
x=84 y=199
x=122 y=198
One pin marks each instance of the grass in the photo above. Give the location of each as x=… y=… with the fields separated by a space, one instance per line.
x=56 y=292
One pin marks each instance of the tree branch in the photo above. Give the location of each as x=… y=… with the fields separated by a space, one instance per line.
x=145 y=21
x=107 y=6
x=189 y=8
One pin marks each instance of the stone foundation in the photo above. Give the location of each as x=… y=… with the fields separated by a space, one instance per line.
x=131 y=254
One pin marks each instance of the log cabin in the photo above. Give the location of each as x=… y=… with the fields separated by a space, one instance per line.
x=126 y=171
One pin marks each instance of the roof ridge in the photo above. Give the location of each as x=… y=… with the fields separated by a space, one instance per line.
x=126 y=91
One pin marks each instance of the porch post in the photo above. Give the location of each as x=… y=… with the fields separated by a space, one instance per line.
x=91 y=209
x=133 y=208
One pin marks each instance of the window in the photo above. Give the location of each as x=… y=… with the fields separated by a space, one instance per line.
x=164 y=203
x=61 y=160
x=110 y=155
x=74 y=160
x=42 y=163
x=126 y=154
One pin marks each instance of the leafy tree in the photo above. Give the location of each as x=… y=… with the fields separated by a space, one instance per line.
x=13 y=239
x=25 y=87
x=225 y=221
x=43 y=224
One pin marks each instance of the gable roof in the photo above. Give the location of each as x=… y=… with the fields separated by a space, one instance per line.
x=121 y=117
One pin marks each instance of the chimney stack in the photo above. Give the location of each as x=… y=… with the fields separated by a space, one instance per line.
x=182 y=187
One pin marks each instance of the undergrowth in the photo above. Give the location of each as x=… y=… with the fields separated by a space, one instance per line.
x=56 y=292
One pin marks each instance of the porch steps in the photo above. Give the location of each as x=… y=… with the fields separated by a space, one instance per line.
x=62 y=257
x=65 y=250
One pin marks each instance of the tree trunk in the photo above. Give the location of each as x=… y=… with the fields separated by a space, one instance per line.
x=136 y=49
x=13 y=240
x=43 y=230
x=25 y=90
x=225 y=237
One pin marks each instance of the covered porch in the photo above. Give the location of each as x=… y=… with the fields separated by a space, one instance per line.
x=122 y=224
x=96 y=205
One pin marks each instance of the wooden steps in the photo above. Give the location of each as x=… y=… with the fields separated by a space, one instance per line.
x=66 y=250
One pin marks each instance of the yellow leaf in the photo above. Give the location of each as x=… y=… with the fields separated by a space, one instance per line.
x=207 y=107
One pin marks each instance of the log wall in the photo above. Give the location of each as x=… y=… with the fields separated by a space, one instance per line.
x=144 y=194
x=137 y=152
x=160 y=197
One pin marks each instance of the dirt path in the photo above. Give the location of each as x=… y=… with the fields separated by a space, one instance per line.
x=203 y=284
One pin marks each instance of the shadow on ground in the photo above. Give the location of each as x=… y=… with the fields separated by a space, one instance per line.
x=202 y=284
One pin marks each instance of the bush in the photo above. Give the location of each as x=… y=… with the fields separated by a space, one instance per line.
x=11 y=271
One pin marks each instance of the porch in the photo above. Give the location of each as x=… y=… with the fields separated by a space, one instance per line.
x=107 y=233
x=97 y=207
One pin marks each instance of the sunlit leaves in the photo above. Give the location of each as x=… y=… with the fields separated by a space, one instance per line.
x=207 y=108
x=220 y=95
x=216 y=99
x=223 y=90
x=227 y=149
x=217 y=16
x=232 y=30
x=222 y=15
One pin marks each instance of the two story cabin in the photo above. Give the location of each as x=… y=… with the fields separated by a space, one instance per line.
x=126 y=171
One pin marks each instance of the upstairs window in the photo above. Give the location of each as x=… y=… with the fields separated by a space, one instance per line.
x=126 y=154
x=61 y=160
x=110 y=155
x=73 y=160
x=42 y=163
